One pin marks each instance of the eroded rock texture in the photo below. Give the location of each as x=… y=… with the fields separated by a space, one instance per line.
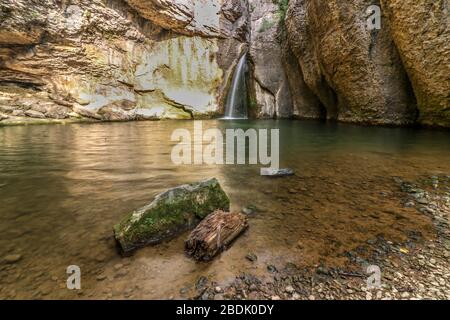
x=372 y=76
x=113 y=60
x=421 y=31
x=357 y=74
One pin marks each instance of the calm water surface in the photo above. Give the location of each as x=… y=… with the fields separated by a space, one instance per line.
x=63 y=187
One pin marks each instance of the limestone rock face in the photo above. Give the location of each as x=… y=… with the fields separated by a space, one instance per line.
x=356 y=73
x=269 y=85
x=110 y=60
x=421 y=31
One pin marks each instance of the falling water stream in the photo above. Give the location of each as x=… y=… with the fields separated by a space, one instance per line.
x=236 y=106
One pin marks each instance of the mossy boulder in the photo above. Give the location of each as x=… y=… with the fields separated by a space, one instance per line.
x=170 y=213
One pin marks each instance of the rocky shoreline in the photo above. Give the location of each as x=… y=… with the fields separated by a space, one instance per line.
x=414 y=270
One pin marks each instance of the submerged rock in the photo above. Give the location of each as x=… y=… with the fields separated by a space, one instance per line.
x=170 y=213
x=277 y=172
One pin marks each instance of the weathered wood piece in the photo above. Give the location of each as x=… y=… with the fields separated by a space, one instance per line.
x=216 y=232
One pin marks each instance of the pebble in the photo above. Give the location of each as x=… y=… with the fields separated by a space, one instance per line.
x=275 y=298
x=405 y=295
x=218 y=289
x=271 y=268
x=251 y=257
x=12 y=258
x=248 y=211
x=289 y=289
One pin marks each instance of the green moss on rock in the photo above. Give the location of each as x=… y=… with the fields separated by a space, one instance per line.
x=170 y=213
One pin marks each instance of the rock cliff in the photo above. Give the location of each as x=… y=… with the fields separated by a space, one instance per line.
x=398 y=74
x=158 y=59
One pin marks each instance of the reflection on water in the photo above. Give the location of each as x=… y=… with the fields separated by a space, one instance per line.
x=62 y=188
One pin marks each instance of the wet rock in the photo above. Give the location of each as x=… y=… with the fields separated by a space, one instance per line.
x=405 y=295
x=121 y=273
x=251 y=257
x=219 y=297
x=359 y=78
x=101 y=277
x=12 y=258
x=249 y=210
x=201 y=283
x=271 y=268
x=420 y=33
x=289 y=289
x=34 y=114
x=170 y=213
x=214 y=234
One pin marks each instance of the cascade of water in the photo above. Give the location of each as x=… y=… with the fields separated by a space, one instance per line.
x=236 y=105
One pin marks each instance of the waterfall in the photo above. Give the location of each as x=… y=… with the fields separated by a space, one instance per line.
x=236 y=104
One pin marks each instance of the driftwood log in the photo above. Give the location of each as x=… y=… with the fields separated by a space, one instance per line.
x=214 y=234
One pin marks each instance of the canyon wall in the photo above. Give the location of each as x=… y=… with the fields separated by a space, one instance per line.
x=398 y=74
x=269 y=88
x=118 y=60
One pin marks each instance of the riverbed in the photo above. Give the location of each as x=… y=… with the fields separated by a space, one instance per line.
x=63 y=187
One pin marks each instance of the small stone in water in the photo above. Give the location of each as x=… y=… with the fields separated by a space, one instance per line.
x=422 y=201
x=201 y=282
x=12 y=258
x=251 y=257
x=405 y=295
x=289 y=289
x=218 y=289
x=271 y=172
